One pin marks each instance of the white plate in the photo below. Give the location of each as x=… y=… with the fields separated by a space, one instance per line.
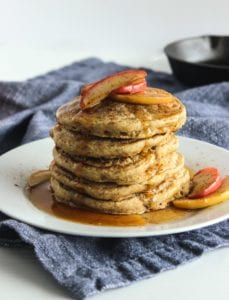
x=17 y=164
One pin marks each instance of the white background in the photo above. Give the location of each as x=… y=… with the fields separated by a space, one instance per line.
x=36 y=36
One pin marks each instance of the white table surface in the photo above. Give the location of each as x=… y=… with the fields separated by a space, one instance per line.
x=36 y=36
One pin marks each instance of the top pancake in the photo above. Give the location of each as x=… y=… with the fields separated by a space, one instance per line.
x=122 y=120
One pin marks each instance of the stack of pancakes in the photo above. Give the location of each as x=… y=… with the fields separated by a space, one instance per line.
x=118 y=158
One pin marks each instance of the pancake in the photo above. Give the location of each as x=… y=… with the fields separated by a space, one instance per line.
x=111 y=191
x=171 y=188
x=138 y=204
x=166 y=146
x=100 y=162
x=123 y=171
x=90 y=146
x=122 y=120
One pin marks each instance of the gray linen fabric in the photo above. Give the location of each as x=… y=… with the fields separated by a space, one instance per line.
x=86 y=266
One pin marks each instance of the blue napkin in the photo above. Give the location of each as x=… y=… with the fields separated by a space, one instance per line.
x=86 y=266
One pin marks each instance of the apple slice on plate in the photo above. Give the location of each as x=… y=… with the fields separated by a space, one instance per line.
x=220 y=195
x=205 y=182
x=96 y=92
x=39 y=177
x=149 y=96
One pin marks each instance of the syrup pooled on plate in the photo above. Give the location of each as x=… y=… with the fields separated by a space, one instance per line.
x=42 y=198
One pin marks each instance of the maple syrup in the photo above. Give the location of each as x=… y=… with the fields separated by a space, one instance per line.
x=42 y=198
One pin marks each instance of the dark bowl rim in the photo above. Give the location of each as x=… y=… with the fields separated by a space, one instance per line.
x=169 y=55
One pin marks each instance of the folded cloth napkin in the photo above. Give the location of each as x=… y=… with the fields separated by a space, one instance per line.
x=85 y=265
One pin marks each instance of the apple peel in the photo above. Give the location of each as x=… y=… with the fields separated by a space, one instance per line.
x=132 y=88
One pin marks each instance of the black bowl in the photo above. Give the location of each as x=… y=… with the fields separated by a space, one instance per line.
x=200 y=60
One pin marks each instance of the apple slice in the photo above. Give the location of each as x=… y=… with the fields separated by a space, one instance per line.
x=38 y=177
x=98 y=91
x=220 y=195
x=205 y=182
x=132 y=88
x=148 y=97
x=128 y=89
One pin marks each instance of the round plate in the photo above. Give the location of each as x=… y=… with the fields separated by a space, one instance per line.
x=16 y=165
